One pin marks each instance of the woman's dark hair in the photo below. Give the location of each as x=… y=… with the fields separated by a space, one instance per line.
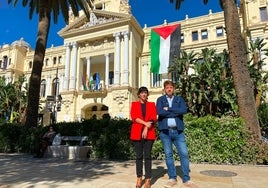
x=143 y=89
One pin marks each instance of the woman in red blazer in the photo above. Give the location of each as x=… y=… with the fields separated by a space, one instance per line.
x=143 y=135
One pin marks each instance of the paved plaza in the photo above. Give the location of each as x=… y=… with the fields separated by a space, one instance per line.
x=24 y=171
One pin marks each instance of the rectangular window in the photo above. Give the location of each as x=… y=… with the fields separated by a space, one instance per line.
x=263 y=14
x=5 y=62
x=219 y=31
x=182 y=38
x=54 y=60
x=60 y=60
x=194 y=36
x=156 y=80
x=47 y=61
x=204 y=34
x=111 y=77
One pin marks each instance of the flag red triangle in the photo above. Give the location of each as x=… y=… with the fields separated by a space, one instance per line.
x=165 y=31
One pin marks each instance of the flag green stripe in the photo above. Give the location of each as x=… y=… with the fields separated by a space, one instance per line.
x=155 y=49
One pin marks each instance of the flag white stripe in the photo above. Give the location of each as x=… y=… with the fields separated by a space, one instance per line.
x=164 y=55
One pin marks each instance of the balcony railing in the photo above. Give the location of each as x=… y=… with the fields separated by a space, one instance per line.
x=95 y=91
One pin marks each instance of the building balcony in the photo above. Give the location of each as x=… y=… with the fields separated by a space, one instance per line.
x=94 y=91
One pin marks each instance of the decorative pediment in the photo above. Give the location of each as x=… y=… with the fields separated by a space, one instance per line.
x=97 y=18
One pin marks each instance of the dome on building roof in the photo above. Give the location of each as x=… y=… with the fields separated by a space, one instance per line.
x=21 y=42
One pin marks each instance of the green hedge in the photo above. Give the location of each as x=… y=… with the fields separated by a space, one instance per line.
x=222 y=141
x=210 y=140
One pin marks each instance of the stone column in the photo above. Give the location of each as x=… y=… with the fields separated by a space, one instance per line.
x=88 y=73
x=117 y=59
x=88 y=67
x=73 y=67
x=107 y=70
x=126 y=56
x=67 y=67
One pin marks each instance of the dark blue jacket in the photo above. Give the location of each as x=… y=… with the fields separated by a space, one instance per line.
x=176 y=111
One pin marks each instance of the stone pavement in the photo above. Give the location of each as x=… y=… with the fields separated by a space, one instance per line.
x=24 y=171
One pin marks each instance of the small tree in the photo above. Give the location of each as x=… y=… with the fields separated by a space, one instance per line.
x=12 y=100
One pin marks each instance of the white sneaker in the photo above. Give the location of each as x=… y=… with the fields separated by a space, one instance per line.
x=170 y=183
x=189 y=184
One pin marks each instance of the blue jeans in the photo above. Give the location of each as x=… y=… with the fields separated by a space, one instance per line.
x=169 y=137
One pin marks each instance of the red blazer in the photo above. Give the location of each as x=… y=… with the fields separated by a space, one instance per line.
x=136 y=112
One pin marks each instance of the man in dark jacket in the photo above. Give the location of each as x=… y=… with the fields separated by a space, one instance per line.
x=170 y=110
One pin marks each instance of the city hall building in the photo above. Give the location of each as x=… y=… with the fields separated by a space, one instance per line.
x=104 y=60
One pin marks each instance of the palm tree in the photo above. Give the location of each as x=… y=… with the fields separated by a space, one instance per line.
x=44 y=9
x=238 y=59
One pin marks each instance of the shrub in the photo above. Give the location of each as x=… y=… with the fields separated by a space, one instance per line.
x=263 y=117
x=211 y=140
x=223 y=141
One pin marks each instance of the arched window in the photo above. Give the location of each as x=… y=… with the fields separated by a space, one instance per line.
x=43 y=88
x=55 y=87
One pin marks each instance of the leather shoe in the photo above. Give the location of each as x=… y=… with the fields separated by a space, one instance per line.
x=139 y=182
x=147 y=183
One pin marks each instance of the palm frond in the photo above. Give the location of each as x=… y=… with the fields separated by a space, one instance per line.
x=177 y=3
x=64 y=10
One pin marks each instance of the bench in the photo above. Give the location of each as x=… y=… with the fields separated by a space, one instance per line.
x=69 y=140
x=70 y=147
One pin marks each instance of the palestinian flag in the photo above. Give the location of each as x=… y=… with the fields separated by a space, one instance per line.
x=165 y=46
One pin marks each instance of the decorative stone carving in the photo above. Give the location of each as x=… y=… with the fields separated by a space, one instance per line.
x=97 y=45
x=120 y=97
x=67 y=99
x=124 y=7
x=71 y=16
x=110 y=43
x=94 y=20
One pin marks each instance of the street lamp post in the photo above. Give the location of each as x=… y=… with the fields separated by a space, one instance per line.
x=53 y=104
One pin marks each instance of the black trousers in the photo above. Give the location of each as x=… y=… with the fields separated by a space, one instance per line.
x=143 y=149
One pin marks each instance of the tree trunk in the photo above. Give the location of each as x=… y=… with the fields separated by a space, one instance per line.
x=239 y=68
x=35 y=79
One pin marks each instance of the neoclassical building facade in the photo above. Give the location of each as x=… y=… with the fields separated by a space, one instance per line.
x=104 y=60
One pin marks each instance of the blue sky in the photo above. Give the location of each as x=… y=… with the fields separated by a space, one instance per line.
x=15 y=22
